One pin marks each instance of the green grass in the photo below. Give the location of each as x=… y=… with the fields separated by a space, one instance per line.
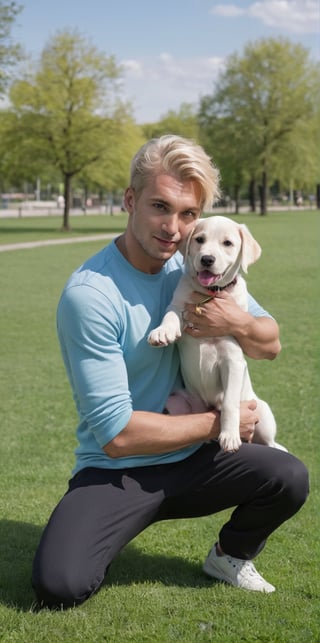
x=40 y=228
x=155 y=591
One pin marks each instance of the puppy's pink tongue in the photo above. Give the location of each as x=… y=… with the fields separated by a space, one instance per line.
x=206 y=278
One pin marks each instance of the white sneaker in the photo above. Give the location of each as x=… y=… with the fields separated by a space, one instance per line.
x=237 y=572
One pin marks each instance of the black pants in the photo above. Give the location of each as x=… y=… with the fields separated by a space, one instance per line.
x=104 y=509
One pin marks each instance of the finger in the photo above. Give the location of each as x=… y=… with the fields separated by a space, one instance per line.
x=192 y=330
x=222 y=294
x=192 y=316
x=199 y=298
x=189 y=307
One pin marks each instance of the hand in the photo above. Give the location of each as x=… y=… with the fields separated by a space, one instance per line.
x=248 y=419
x=221 y=316
x=218 y=317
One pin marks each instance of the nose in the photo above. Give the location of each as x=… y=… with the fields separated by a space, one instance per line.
x=207 y=260
x=171 y=226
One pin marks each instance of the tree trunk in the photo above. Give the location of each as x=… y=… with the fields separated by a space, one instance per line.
x=263 y=194
x=67 y=203
x=252 y=195
x=85 y=199
x=318 y=196
x=236 y=198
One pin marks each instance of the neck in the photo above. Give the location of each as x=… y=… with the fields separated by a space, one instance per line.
x=143 y=263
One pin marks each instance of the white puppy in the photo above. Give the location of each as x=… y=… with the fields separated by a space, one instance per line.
x=214 y=369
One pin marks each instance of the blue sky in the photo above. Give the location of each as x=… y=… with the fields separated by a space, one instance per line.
x=171 y=50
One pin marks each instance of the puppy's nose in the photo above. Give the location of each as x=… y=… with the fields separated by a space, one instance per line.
x=207 y=260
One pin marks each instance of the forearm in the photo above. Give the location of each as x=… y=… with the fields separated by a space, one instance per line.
x=153 y=433
x=258 y=336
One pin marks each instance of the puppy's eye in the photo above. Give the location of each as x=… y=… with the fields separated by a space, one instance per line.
x=227 y=242
x=200 y=239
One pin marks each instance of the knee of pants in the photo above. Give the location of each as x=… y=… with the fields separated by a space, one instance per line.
x=64 y=589
x=295 y=484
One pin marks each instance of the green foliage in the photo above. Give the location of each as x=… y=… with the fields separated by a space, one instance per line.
x=70 y=116
x=57 y=104
x=182 y=123
x=262 y=115
x=155 y=590
x=297 y=161
x=22 y=153
x=9 y=52
x=68 y=122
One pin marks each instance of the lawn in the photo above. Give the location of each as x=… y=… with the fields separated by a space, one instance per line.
x=155 y=591
x=41 y=228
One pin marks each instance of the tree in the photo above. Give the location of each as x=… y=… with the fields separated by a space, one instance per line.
x=67 y=106
x=222 y=141
x=14 y=170
x=260 y=101
x=182 y=122
x=9 y=52
x=298 y=164
x=111 y=173
x=19 y=166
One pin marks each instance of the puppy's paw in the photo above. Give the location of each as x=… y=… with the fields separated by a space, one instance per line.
x=229 y=442
x=163 y=336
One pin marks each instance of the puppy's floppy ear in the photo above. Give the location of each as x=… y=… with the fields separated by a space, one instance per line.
x=250 y=251
x=184 y=246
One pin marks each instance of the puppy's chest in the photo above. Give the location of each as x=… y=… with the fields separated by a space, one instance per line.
x=207 y=353
x=202 y=362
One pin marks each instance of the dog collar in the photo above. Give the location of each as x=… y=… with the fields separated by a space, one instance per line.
x=219 y=288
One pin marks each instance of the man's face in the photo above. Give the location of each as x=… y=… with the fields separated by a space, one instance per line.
x=159 y=219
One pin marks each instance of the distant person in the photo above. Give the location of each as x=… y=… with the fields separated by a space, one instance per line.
x=60 y=201
x=135 y=465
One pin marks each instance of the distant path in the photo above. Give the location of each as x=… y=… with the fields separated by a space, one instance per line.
x=24 y=245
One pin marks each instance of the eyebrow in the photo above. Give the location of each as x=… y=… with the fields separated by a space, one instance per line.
x=195 y=208
x=160 y=200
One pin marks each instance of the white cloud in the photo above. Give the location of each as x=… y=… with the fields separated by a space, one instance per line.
x=292 y=16
x=295 y=16
x=227 y=10
x=165 y=57
x=157 y=84
x=133 y=67
x=165 y=82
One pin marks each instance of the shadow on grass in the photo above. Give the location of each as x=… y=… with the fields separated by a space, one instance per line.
x=18 y=543
x=135 y=566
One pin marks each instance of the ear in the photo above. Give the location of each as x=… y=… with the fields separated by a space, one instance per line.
x=184 y=246
x=128 y=200
x=250 y=251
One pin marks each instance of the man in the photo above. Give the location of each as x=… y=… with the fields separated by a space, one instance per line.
x=134 y=464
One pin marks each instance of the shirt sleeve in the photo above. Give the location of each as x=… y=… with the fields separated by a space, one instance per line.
x=89 y=333
x=255 y=309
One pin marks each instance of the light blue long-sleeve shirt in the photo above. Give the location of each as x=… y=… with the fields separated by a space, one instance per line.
x=104 y=316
